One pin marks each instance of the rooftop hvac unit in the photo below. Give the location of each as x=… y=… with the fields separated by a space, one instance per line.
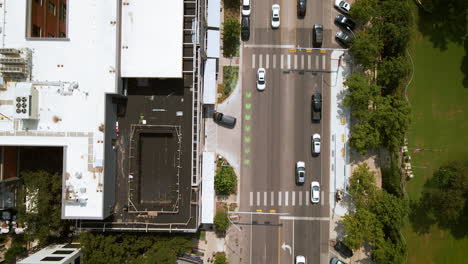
x=9 y=51
x=26 y=101
x=12 y=61
x=10 y=70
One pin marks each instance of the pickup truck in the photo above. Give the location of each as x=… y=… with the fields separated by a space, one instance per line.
x=316 y=110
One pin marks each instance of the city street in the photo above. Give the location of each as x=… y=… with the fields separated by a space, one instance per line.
x=278 y=216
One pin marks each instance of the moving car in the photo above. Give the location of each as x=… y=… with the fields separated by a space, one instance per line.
x=246 y=7
x=343 y=249
x=336 y=261
x=315 y=192
x=300 y=172
x=275 y=16
x=224 y=120
x=261 y=82
x=245 y=28
x=344 y=38
x=316 y=103
x=343 y=6
x=300 y=260
x=345 y=22
x=318 y=35
x=301 y=8
x=315 y=144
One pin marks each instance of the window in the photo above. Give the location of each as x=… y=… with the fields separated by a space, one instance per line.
x=39 y=2
x=36 y=31
x=51 y=7
x=52 y=258
x=62 y=252
x=62 y=35
x=50 y=35
x=63 y=12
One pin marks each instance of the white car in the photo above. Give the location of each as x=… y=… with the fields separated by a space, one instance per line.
x=275 y=16
x=343 y=6
x=315 y=192
x=315 y=144
x=246 y=7
x=300 y=260
x=261 y=82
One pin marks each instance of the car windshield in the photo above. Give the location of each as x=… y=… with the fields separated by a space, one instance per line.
x=245 y=7
x=275 y=18
x=316 y=188
x=261 y=81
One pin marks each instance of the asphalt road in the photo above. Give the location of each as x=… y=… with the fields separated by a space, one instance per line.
x=277 y=132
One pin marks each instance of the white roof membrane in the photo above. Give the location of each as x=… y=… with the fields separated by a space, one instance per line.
x=214 y=13
x=208 y=194
x=209 y=82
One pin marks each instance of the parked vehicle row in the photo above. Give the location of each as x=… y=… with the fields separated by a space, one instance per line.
x=345 y=36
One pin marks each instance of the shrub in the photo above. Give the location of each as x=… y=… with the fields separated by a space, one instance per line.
x=14 y=251
x=225 y=181
x=220 y=258
x=221 y=221
x=231 y=37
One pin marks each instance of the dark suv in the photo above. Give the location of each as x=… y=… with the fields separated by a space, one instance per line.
x=316 y=107
x=343 y=249
x=345 y=22
x=245 y=28
x=318 y=35
x=301 y=8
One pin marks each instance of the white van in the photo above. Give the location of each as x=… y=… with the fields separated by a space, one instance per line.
x=246 y=7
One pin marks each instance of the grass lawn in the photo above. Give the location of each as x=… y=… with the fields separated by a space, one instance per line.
x=440 y=123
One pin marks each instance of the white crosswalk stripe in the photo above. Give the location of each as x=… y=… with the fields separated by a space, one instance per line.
x=253 y=61
x=286 y=198
x=260 y=61
x=300 y=198
x=323 y=62
x=293 y=198
x=258 y=198
x=309 y=62
x=267 y=63
x=282 y=62
x=295 y=62
x=274 y=61
x=307 y=198
x=264 y=198
x=289 y=61
x=272 y=198
x=302 y=61
x=283 y=198
x=316 y=62
x=279 y=198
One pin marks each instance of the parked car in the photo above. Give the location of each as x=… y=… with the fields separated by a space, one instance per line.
x=246 y=8
x=316 y=108
x=342 y=6
x=315 y=192
x=301 y=8
x=261 y=82
x=245 y=28
x=315 y=144
x=343 y=249
x=318 y=35
x=224 y=120
x=336 y=261
x=300 y=172
x=300 y=260
x=275 y=16
x=345 y=22
x=344 y=38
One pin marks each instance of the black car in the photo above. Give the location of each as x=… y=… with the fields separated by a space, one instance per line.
x=343 y=249
x=301 y=8
x=224 y=120
x=344 y=38
x=316 y=107
x=345 y=22
x=318 y=35
x=245 y=28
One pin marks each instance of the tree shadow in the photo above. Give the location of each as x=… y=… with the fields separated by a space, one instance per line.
x=421 y=220
x=464 y=65
x=445 y=22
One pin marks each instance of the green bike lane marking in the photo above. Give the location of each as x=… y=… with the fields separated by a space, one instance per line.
x=247 y=127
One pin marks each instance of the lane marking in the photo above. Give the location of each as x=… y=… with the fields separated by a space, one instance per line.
x=251 y=198
x=260 y=61
x=300 y=198
x=272 y=197
x=248 y=128
x=267 y=62
x=322 y=198
x=295 y=62
x=264 y=198
x=302 y=61
x=247 y=117
x=317 y=62
x=282 y=62
x=293 y=198
x=274 y=61
x=272 y=211
x=258 y=199
x=323 y=62
x=247 y=150
x=248 y=106
x=259 y=210
x=246 y=161
x=253 y=61
x=289 y=61
x=292 y=50
x=279 y=198
x=309 y=61
x=307 y=198
x=286 y=198
x=248 y=94
x=247 y=139
x=304 y=218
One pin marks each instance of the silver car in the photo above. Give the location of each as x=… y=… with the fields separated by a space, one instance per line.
x=315 y=192
x=275 y=16
x=261 y=82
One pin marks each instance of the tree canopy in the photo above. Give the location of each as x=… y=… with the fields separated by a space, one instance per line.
x=366 y=48
x=221 y=220
x=363 y=11
x=391 y=73
x=362 y=226
x=231 y=37
x=362 y=186
x=225 y=180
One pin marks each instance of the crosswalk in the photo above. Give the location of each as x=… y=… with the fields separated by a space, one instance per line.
x=281 y=198
x=290 y=61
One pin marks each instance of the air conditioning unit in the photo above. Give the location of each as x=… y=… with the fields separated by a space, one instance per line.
x=12 y=60
x=10 y=70
x=26 y=101
x=7 y=51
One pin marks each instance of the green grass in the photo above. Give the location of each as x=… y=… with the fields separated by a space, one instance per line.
x=440 y=123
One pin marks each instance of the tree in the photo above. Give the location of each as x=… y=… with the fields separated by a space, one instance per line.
x=446 y=192
x=363 y=11
x=362 y=227
x=364 y=137
x=366 y=48
x=221 y=221
x=231 y=37
x=362 y=186
x=361 y=95
x=392 y=71
x=390 y=210
x=225 y=180
x=220 y=258
x=389 y=251
x=44 y=192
